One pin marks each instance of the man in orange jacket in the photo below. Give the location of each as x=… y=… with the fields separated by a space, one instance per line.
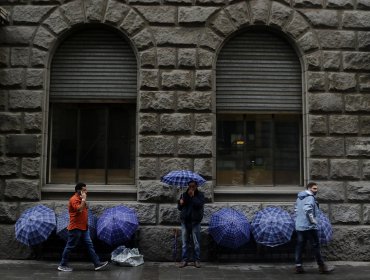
x=78 y=229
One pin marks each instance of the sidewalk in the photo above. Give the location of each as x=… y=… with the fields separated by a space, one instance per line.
x=42 y=270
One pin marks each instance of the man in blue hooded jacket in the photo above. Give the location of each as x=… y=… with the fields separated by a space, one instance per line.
x=307 y=211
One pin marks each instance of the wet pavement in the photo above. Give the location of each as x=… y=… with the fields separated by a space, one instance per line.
x=41 y=270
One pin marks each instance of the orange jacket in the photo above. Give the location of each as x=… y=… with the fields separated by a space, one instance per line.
x=77 y=219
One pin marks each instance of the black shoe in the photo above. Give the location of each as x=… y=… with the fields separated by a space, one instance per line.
x=101 y=266
x=183 y=264
x=197 y=264
x=299 y=270
x=324 y=269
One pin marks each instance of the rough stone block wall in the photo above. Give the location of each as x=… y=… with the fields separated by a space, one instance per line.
x=177 y=43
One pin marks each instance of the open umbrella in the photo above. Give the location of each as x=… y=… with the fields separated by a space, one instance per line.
x=63 y=221
x=272 y=226
x=229 y=228
x=117 y=225
x=35 y=225
x=325 y=228
x=181 y=178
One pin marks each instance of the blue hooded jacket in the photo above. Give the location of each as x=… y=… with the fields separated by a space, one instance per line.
x=306 y=204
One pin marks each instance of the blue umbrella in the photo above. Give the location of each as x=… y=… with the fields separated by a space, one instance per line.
x=63 y=221
x=181 y=178
x=35 y=225
x=325 y=228
x=272 y=226
x=117 y=225
x=229 y=228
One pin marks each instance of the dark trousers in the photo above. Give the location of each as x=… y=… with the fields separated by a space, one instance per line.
x=74 y=237
x=313 y=237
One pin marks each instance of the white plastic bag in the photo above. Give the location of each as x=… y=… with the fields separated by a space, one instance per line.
x=127 y=257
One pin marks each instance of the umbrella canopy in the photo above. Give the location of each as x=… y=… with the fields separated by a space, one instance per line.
x=272 y=226
x=63 y=221
x=229 y=228
x=117 y=225
x=181 y=178
x=35 y=225
x=325 y=228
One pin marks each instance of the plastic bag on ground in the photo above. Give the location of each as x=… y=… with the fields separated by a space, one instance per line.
x=127 y=257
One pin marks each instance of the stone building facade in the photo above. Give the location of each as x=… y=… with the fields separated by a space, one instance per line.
x=176 y=44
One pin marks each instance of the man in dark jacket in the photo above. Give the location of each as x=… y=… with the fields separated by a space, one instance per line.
x=191 y=205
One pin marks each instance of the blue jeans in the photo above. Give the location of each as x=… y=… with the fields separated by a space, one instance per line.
x=190 y=233
x=74 y=237
x=313 y=237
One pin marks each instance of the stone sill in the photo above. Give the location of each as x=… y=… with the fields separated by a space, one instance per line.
x=260 y=194
x=95 y=192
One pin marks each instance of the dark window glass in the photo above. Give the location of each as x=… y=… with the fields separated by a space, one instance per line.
x=258 y=150
x=93 y=143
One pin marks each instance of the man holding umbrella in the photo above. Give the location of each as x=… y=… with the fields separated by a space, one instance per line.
x=307 y=211
x=78 y=229
x=191 y=205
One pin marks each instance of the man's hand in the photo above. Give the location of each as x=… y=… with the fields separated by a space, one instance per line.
x=181 y=201
x=83 y=196
x=312 y=219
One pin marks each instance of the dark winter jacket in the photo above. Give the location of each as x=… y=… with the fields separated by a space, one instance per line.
x=193 y=208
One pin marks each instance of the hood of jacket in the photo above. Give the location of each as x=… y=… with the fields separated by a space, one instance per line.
x=303 y=194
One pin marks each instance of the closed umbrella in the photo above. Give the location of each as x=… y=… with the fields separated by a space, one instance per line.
x=324 y=227
x=35 y=225
x=117 y=225
x=63 y=221
x=272 y=227
x=229 y=228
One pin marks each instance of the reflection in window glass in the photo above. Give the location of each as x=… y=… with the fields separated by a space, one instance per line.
x=93 y=143
x=258 y=150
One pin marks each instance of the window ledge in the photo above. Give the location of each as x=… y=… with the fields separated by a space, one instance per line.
x=96 y=192
x=237 y=194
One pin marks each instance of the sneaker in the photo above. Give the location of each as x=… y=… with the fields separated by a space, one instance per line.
x=101 y=266
x=65 y=268
x=324 y=269
x=183 y=264
x=299 y=269
x=197 y=264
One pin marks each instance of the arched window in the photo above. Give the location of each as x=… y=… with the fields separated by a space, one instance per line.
x=259 y=111
x=93 y=91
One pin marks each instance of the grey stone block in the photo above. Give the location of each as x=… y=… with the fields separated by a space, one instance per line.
x=22 y=189
x=203 y=79
x=297 y=26
x=356 y=19
x=315 y=81
x=358 y=191
x=169 y=214
x=169 y=164
x=10 y=122
x=280 y=14
x=10 y=248
x=187 y=57
x=44 y=38
x=149 y=79
x=356 y=61
x=331 y=60
x=340 y=4
x=158 y=14
x=203 y=166
x=357 y=103
x=365 y=125
x=177 y=122
x=148 y=122
x=364 y=82
x=308 y=3
x=33 y=122
x=74 y=12
x=29 y=14
x=326 y=146
x=57 y=22
x=94 y=9
x=20 y=57
x=9 y=166
x=143 y=40
x=35 y=78
x=11 y=77
x=366 y=169
x=308 y=42
x=154 y=191
x=366 y=214
x=322 y=18
x=179 y=36
x=343 y=169
x=342 y=82
x=330 y=191
x=223 y=24
x=197 y=100
x=203 y=123
x=319 y=168
x=325 y=102
x=358 y=146
x=337 y=39
x=22 y=144
x=17 y=35
x=157 y=100
x=363 y=4
x=8 y=212
x=148 y=168
x=195 y=14
x=205 y=58
x=260 y=11
x=38 y=57
x=318 y=124
x=345 y=213
x=5 y=57
x=195 y=145
x=210 y=39
x=148 y=58
x=364 y=40
x=157 y=145
x=313 y=60
x=31 y=166
x=177 y=79
x=115 y=12
x=343 y=124
x=166 y=57
x=25 y=99
x=239 y=13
